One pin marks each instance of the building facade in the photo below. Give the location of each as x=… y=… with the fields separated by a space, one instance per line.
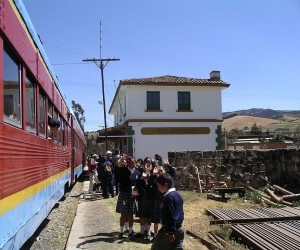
x=166 y=113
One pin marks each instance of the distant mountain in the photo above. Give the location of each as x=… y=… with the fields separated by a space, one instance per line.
x=257 y=112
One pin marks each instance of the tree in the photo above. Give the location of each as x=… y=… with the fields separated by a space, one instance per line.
x=79 y=113
x=92 y=147
x=255 y=130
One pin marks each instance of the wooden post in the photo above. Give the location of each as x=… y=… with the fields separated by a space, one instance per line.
x=273 y=196
x=282 y=190
x=292 y=197
x=199 y=181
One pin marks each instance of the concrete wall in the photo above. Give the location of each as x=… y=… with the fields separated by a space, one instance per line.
x=205 y=103
x=237 y=167
x=267 y=145
x=149 y=145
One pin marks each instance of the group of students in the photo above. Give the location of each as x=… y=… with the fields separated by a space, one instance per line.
x=147 y=191
x=102 y=168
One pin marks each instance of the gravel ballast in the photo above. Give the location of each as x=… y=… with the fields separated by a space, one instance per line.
x=53 y=233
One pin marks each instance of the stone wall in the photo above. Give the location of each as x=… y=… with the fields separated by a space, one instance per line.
x=235 y=168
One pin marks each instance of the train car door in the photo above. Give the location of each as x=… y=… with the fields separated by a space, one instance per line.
x=73 y=151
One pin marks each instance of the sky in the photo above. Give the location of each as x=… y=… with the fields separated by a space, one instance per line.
x=255 y=44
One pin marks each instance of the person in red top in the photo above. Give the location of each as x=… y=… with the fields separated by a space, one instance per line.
x=93 y=174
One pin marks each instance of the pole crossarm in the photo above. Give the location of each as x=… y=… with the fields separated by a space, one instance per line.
x=107 y=60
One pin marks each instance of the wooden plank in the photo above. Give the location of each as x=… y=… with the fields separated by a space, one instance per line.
x=292 y=197
x=203 y=241
x=253 y=220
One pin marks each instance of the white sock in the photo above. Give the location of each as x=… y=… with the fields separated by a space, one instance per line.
x=148 y=227
x=121 y=229
x=126 y=226
x=130 y=230
x=142 y=229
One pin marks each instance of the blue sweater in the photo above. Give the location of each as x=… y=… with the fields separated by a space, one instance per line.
x=172 y=212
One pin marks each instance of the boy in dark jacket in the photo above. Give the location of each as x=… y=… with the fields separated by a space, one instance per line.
x=171 y=234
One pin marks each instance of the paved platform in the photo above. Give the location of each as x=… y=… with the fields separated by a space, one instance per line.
x=92 y=228
x=96 y=226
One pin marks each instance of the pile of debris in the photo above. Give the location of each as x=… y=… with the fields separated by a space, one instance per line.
x=275 y=195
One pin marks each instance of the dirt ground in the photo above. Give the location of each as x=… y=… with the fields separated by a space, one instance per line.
x=54 y=232
x=197 y=222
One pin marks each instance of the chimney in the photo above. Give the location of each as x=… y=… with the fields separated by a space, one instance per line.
x=215 y=75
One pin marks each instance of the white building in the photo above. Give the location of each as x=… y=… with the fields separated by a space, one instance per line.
x=166 y=113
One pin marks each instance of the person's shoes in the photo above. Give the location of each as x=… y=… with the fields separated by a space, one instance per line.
x=120 y=236
x=126 y=232
x=138 y=235
x=105 y=197
x=131 y=236
x=152 y=239
x=147 y=238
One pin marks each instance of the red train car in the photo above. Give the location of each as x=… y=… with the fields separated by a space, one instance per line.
x=41 y=144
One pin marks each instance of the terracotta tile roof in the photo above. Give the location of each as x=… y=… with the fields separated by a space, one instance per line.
x=173 y=80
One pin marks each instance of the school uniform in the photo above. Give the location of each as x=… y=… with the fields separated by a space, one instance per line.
x=144 y=203
x=128 y=178
x=154 y=196
x=172 y=219
x=107 y=170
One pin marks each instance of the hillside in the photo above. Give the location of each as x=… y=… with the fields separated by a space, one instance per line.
x=285 y=122
x=265 y=113
x=242 y=121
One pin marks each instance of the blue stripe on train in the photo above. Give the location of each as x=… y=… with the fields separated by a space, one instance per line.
x=18 y=224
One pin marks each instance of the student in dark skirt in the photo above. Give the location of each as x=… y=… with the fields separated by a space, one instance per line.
x=155 y=196
x=128 y=175
x=144 y=203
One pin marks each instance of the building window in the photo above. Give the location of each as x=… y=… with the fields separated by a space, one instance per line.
x=30 y=106
x=124 y=105
x=153 y=100
x=42 y=116
x=12 y=90
x=121 y=114
x=184 y=101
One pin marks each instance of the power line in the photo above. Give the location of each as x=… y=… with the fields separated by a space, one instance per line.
x=83 y=84
x=69 y=63
x=63 y=48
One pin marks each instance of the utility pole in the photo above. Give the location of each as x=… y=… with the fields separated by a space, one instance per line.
x=101 y=63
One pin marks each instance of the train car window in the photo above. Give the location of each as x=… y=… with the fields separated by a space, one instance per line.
x=30 y=106
x=62 y=127
x=59 y=131
x=12 y=90
x=68 y=134
x=42 y=115
x=55 y=132
x=63 y=136
x=50 y=114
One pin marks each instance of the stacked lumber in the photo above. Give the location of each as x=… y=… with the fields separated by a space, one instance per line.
x=275 y=195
